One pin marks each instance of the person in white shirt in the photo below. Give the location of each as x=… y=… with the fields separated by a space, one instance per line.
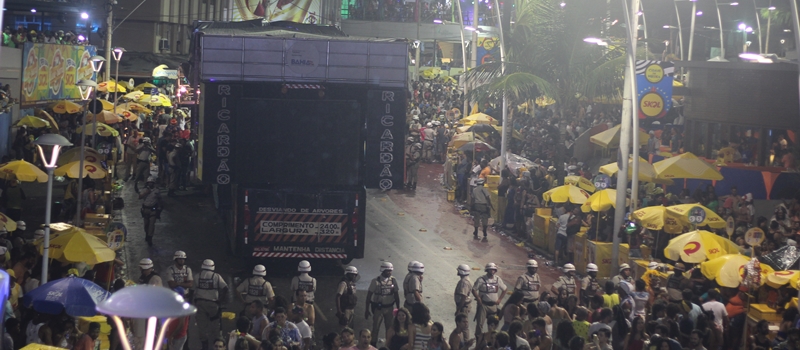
x=720 y=313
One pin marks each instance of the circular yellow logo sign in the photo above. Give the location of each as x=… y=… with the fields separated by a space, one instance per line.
x=654 y=73
x=652 y=104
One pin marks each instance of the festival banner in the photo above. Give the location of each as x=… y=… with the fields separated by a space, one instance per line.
x=488 y=50
x=654 y=85
x=300 y=11
x=51 y=70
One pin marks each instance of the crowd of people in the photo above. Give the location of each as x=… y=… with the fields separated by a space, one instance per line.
x=18 y=37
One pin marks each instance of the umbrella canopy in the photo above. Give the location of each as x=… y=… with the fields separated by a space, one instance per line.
x=134 y=107
x=712 y=219
x=476 y=146
x=76 y=296
x=647 y=173
x=79 y=246
x=65 y=106
x=104 y=117
x=514 y=163
x=46 y=116
x=601 y=201
x=514 y=133
x=7 y=223
x=102 y=130
x=74 y=154
x=580 y=181
x=478 y=118
x=778 y=279
x=155 y=100
x=610 y=138
x=728 y=270
x=481 y=128
x=107 y=105
x=698 y=246
x=111 y=86
x=72 y=169
x=461 y=139
x=22 y=171
x=143 y=86
x=33 y=122
x=686 y=166
x=135 y=95
x=130 y=116
x=566 y=193
x=88 y=158
x=35 y=346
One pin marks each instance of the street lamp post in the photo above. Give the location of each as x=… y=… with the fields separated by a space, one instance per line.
x=97 y=64
x=721 y=34
x=86 y=88
x=505 y=131
x=117 y=57
x=55 y=142
x=463 y=55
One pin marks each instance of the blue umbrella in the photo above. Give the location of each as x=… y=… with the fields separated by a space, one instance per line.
x=76 y=296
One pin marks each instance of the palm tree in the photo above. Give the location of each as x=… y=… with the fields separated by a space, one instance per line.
x=546 y=55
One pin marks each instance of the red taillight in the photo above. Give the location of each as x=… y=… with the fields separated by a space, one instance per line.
x=246 y=219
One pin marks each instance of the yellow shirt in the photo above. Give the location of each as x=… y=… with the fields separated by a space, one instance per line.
x=581 y=328
x=16 y=292
x=610 y=300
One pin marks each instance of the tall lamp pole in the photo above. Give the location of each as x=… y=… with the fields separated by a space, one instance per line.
x=721 y=33
x=86 y=88
x=505 y=131
x=117 y=57
x=97 y=64
x=54 y=142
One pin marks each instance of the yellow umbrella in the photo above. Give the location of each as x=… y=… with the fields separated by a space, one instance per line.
x=7 y=223
x=686 y=166
x=75 y=154
x=133 y=106
x=102 y=130
x=514 y=133
x=579 y=181
x=712 y=219
x=34 y=346
x=107 y=105
x=72 y=169
x=601 y=201
x=155 y=100
x=143 y=86
x=566 y=193
x=135 y=95
x=610 y=138
x=79 y=246
x=111 y=86
x=127 y=114
x=105 y=117
x=657 y=218
x=647 y=173
x=698 y=246
x=22 y=171
x=777 y=279
x=728 y=270
x=65 y=106
x=46 y=116
x=31 y=121
x=461 y=139
x=544 y=101
x=478 y=118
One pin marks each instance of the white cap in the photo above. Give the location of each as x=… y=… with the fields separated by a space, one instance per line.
x=208 y=264
x=652 y=265
x=411 y=265
x=591 y=267
x=351 y=270
x=179 y=254
x=259 y=270
x=304 y=266
x=624 y=267
x=151 y=179
x=490 y=266
x=568 y=267
x=532 y=263
x=418 y=267
x=145 y=264
x=21 y=225
x=3 y=230
x=38 y=234
x=387 y=266
x=463 y=270
x=3 y=250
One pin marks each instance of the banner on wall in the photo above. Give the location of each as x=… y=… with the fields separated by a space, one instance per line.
x=300 y=11
x=654 y=82
x=50 y=72
x=488 y=50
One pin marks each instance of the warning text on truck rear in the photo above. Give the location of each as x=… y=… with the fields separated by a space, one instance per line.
x=301 y=228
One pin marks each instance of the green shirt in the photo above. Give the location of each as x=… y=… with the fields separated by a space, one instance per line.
x=581 y=329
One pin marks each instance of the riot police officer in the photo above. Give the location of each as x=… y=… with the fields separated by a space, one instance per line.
x=529 y=284
x=489 y=291
x=590 y=286
x=211 y=290
x=413 y=158
x=346 y=298
x=256 y=287
x=178 y=274
x=412 y=284
x=383 y=296
x=624 y=275
x=463 y=293
x=304 y=281
x=568 y=281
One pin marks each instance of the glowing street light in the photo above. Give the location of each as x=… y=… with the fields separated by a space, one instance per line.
x=54 y=143
x=84 y=15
